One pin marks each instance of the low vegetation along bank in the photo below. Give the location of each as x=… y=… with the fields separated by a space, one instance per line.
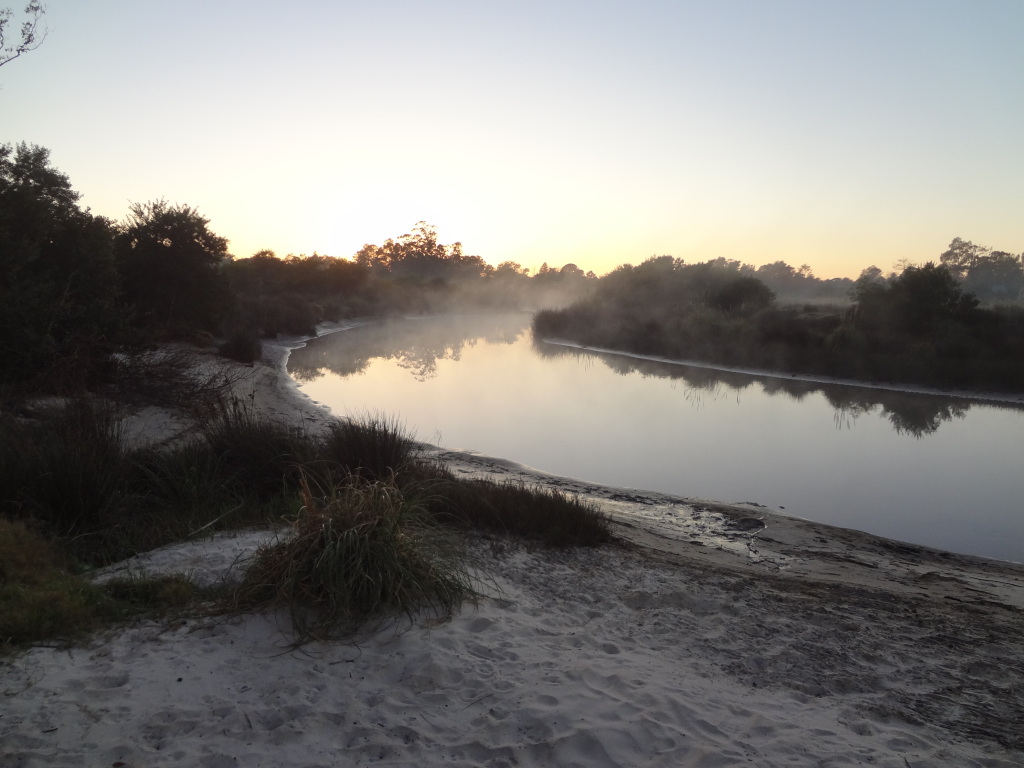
x=373 y=529
x=916 y=327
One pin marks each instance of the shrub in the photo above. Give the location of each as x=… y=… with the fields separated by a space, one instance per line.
x=550 y=323
x=362 y=551
x=288 y=313
x=741 y=295
x=170 y=376
x=179 y=493
x=242 y=344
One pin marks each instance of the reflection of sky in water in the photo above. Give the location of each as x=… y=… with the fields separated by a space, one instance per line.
x=956 y=487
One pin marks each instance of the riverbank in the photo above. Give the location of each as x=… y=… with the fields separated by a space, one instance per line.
x=913 y=389
x=709 y=635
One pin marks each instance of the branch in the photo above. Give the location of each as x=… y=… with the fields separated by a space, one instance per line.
x=31 y=34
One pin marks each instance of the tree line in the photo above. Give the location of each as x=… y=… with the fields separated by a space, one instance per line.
x=75 y=288
x=919 y=325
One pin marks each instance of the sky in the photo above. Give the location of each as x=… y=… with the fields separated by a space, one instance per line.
x=838 y=134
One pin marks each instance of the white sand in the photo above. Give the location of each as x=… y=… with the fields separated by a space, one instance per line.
x=704 y=639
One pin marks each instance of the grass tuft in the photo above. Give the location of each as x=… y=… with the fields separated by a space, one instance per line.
x=66 y=470
x=547 y=516
x=374 y=446
x=357 y=553
x=256 y=453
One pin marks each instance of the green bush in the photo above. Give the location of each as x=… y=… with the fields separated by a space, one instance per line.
x=39 y=598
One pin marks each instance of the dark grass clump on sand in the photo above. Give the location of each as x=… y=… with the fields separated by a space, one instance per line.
x=359 y=552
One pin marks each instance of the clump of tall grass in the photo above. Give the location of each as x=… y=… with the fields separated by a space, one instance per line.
x=358 y=552
x=375 y=446
x=254 y=452
x=66 y=469
x=544 y=515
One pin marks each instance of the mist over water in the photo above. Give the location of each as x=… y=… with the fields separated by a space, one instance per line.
x=931 y=470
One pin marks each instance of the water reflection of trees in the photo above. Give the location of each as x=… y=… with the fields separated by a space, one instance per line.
x=415 y=344
x=909 y=413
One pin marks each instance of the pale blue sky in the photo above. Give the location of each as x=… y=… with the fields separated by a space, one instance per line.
x=838 y=134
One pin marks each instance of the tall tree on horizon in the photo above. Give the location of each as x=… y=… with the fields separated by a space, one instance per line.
x=172 y=269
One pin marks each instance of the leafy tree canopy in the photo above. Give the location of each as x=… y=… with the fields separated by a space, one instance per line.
x=914 y=300
x=419 y=254
x=172 y=265
x=58 y=281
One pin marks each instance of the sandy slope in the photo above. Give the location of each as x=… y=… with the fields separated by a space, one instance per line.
x=710 y=636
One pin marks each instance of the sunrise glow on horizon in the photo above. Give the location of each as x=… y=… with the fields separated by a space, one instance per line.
x=838 y=135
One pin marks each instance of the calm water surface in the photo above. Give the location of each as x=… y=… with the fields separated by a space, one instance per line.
x=930 y=470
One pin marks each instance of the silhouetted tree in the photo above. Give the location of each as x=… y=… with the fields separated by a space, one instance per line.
x=58 y=281
x=173 y=269
x=961 y=256
x=923 y=295
x=418 y=254
x=742 y=295
x=510 y=269
x=996 y=276
x=913 y=301
x=868 y=290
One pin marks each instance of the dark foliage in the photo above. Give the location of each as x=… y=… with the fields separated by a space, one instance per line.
x=376 y=447
x=920 y=326
x=548 y=517
x=64 y=469
x=273 y=314
x=256 y=454
x=58 y=279
x=242 y=344
x=172 y=266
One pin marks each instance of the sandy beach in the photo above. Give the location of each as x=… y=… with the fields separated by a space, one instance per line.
x=707 y=635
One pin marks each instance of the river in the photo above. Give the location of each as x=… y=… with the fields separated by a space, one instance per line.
x=933 y=470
